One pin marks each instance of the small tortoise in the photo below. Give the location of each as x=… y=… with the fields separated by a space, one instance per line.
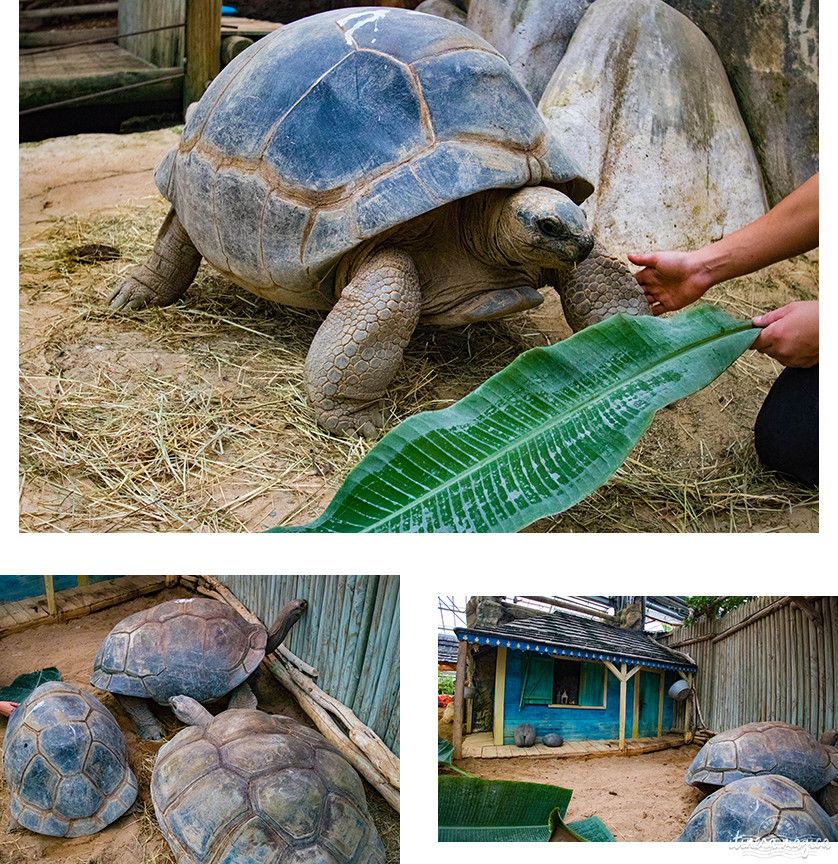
x=246 y=786
x=769 y=807
x=385 y=165
x=764 y=748
x=196 y=647
x=64 y=761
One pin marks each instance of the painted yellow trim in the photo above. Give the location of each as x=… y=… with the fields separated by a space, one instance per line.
x=623 y=680
x=635 y=720
x=579 y=707
x=49 y=590
x=660 y=709
x=500 y=686
x=82 y=580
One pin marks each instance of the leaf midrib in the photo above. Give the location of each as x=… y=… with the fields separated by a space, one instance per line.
x=538 y=430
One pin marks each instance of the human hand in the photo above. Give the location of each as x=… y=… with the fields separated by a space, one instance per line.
x=790 y=334
x=6 y=708
x=670 y=280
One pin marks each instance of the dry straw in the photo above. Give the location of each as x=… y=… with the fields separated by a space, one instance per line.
x=194 y=417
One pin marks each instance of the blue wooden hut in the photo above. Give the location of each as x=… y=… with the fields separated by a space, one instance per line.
x=584 y=679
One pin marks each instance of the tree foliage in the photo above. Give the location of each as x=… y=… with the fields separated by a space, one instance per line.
x=710 y=608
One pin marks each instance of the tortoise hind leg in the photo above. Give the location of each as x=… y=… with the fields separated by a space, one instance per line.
x=597 y=288
x=243 y=697
x=166 y=275
x=146 y=724
x=359 y=347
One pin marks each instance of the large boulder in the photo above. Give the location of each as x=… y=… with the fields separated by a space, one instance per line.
x=642 y=100
x=769 y=49
x=531 y=34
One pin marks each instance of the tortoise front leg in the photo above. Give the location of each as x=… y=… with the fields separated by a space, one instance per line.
x=166 y=275
x=144 y=721
x=243 y=697
x=358 y=348
x=597 y=288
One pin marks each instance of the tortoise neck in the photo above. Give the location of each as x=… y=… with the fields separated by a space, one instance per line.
x=288 y=616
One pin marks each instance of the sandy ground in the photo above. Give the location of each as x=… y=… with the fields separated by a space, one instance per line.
x=640 y=798
x=200 y=407
x=134 y=838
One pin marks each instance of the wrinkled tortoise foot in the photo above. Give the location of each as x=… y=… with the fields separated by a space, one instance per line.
x=341 y=419
x=132 y=293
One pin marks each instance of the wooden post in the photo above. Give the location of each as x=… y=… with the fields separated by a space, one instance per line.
x=49 y=588
x=688 y=714
x=82 y=580
x=500 y=692
x=660 y=706
x=459 y=685
x=203 y=47
x=635 y=720
x=623 y=682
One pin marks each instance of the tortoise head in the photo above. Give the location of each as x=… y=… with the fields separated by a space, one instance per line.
x=288 y=616
x=542 y=226
x=189 y=710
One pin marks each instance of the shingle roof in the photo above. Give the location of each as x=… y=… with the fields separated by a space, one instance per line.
x=446 y=651
x=568 y=635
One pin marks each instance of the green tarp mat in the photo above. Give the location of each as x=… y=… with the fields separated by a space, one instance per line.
x=24 y=684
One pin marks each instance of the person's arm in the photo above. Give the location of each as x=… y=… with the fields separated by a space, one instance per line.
x=6 y=708
x=672 y=280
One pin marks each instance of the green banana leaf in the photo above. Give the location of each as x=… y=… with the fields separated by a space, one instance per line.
x=538 y=436
x=446 y=750
x=476 y=810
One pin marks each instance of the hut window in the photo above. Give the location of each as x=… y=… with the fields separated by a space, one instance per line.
x=576 y=682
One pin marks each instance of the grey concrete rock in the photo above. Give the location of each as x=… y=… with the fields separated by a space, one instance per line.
x=770 y=52
x=643 y=97
x=531 y=34
x=443 y=9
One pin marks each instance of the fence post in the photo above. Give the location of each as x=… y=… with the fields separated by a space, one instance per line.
x=203 y=47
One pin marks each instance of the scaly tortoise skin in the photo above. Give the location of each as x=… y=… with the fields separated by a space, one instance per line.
x=64 y=762
x=196 y=647
x=385 y=165
x=246 y=787
x=768 y=807
x=771 y=747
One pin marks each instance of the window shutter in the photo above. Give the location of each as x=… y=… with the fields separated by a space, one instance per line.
x=536 y=681
x=591 y=684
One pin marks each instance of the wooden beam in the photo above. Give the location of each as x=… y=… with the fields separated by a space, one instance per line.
x=635 y=720
x=49 y=590
x=459 y=686
x=576 y=607
x=808 y=610
x=500 y=690
x=64 y=11
x=777 y=604
x=688 y=714
x=82 y=580
x=689 y=641
x=203 y=47
x=623 y=679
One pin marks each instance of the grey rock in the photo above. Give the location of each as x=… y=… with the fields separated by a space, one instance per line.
x=643 y=96
x=552 y=739
x=531 y=34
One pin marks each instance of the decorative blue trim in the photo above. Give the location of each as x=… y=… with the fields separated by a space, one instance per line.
x=564 y=652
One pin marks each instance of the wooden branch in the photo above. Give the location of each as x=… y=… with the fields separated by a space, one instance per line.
x=689 y=641
x=576 y=607
x=459 y=687
x=225 y=594
x=327 y=725
x=808 y=610
x=296 y=661
x=777 y=604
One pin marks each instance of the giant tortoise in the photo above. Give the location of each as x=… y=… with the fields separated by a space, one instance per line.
x=64 y=762
x=195 y=647
x=770 y=747
x=246 y=787
x=385 y=165
x=768 y=807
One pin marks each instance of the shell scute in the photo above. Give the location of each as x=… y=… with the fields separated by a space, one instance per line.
x=77 y=797
x=67 y=746
x=344 y=829
x=39 y=783
x=291 y=801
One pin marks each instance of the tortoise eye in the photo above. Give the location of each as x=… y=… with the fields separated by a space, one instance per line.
x=549 y=227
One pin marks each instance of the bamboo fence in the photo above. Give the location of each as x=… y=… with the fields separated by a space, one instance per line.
x=350 y=633
x=774 y=658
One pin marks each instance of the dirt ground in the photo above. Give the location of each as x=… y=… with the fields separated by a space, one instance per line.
x=134 y=838
x=194 y=417
x=640 y=798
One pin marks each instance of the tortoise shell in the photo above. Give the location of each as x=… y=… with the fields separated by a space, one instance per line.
x=64 y=762
x=340 y=126
x=197 y=647
x=769 y=807
x=764 y=748
x=252 y=786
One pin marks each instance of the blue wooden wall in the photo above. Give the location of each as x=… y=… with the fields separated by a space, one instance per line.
x=574 y=724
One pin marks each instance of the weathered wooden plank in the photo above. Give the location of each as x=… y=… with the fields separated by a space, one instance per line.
x=163 y=48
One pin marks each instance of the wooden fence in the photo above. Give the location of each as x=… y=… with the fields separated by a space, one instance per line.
x=350 y=632
x=775 y=658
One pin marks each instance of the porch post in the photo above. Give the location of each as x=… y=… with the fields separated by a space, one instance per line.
x=459 y=685
x=623 y=680
x=500 y=691
x=688 y=713
x=660 y=706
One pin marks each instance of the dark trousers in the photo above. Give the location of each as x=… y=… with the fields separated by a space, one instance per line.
x=786 y=429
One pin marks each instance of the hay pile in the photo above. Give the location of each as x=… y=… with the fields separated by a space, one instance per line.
x=194 y=417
